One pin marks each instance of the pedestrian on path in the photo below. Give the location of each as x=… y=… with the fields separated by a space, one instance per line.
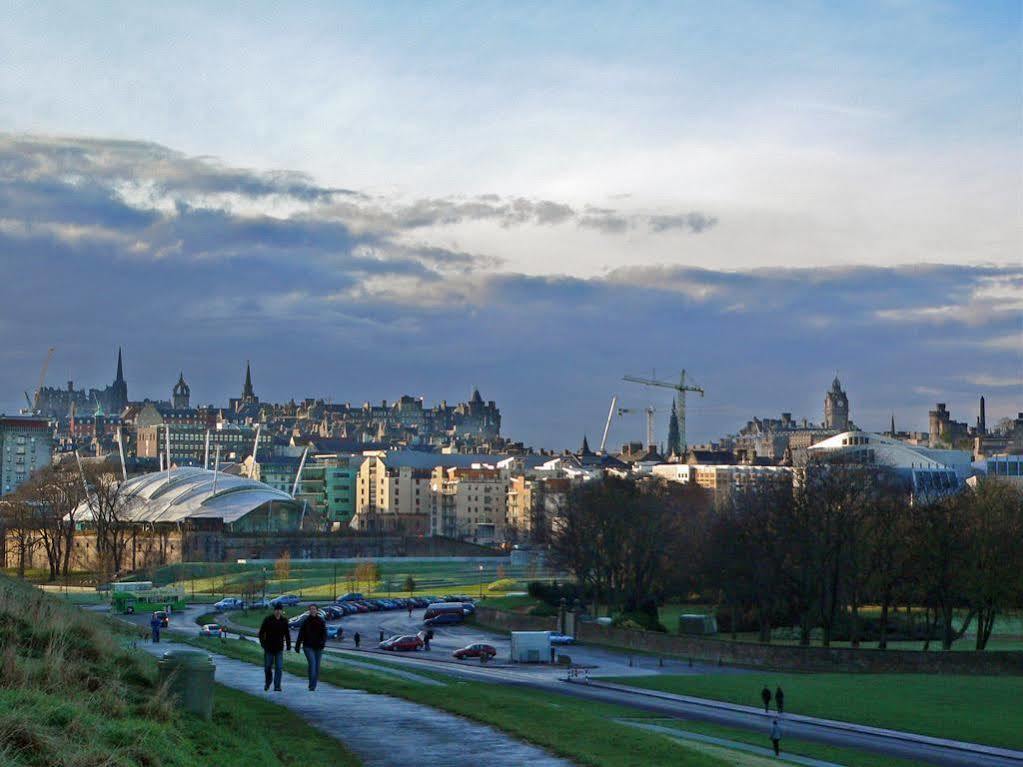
x=779 y=700
x=776 y=737
x=223 y=632
x=357 y=639
x=381 y=635
x=273 y=636
x=410 y=611
x=312 y=638
x=154 y=624
x=765 y=695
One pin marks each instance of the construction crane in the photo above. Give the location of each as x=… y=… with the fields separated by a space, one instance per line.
x=649 y=421
x=33 y=402
x=607 y=424
x=682 y=388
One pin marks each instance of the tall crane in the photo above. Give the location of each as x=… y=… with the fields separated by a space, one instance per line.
x=682 y=388
x=607 y=425
x=34 y=403
x=649 y=421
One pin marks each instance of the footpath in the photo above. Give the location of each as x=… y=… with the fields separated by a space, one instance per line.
x=381 y=730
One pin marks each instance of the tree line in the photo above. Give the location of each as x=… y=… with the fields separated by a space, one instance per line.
x=808 y=556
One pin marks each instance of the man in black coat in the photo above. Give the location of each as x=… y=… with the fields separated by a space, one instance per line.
x=273 y=636
x=765 y=695
x=312 y=637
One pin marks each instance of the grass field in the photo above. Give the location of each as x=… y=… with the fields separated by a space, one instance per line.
x=980 y=709
x=74 y=693
x=583 y=731
x=806 y=748
x=325 y=581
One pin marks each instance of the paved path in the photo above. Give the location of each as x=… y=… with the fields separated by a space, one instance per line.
x=672 y=732
x=380 y=729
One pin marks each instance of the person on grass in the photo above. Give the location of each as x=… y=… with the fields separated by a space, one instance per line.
x=155 y=624
x=779 y=700
x=273 y=637
x=312 y=638
x=765 y=695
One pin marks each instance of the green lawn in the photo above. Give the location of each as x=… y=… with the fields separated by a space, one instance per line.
x=981 y=709
x=811 y=749
x=579 y=730
x=324 y=581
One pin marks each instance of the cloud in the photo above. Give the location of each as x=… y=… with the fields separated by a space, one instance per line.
x=348 y=296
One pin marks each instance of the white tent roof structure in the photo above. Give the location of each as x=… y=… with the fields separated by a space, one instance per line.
x=188 y=493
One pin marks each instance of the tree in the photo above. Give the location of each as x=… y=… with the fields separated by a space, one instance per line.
x=110 y=509
x=993 y=530
x=410 y=585
x=18 y=524
x=940 y=557
x=366 y=572
x=56 y=493
x=282 y=567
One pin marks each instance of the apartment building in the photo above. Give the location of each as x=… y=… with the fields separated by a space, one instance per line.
x=26 y=444
x=469 y=503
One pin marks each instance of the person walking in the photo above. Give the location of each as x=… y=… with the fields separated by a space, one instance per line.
x=765 y=695
x=776 y=737
x=223 y=632
x=429 y=636
x=155 y=624
x=312 y=638
x=410 y=612
x=356 y=639
x=273 y=636
x=779 y=699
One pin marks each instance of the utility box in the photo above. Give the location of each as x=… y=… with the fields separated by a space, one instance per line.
x=531 y=647
x=698 y=625
x=189 y=675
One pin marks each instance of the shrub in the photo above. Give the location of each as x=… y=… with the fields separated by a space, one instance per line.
x=504 y=584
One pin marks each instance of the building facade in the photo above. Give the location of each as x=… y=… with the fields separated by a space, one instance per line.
x=26 y=445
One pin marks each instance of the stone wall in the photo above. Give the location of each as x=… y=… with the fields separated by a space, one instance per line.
x=794 y=658
x=506 y=621
x=778 y=657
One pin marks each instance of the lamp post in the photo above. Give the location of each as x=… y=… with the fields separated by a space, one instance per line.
x=481 y=580
x=264 y=583
x=335 y=581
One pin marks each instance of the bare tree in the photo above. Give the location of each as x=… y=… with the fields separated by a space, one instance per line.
x=19 y=524
x=57 y=493
x=110 y=508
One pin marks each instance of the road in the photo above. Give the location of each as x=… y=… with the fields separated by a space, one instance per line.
x=604 y=662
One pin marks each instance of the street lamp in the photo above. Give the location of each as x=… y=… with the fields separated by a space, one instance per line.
x=481 y=580
x=264 y=584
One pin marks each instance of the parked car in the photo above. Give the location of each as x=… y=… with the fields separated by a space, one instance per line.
x=285 y=600
x=296 y=623
x=439 y=608
x=347 y=608
x=260 y=604
x=444 y=619
x=229 y=603
x=402 y=643
x=351 y=596
x=562 y=639
x=476 y=651
x=163 y=617
x=210 y=630
x=330 y=612
x=332 y=631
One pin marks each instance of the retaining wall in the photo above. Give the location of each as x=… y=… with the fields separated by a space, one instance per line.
x=779 y=657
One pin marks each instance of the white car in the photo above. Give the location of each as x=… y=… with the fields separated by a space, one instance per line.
x=230 y=603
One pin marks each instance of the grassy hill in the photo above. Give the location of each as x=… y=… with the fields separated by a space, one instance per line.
x=74 y=693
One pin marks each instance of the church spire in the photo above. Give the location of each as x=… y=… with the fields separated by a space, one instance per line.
x=247 y=392
x=120 y=368
x=893 y=425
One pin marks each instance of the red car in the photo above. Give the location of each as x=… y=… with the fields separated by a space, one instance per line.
x=476 y=651
x=402 y=643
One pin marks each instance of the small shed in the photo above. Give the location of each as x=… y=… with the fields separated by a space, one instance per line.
x=530 y=646
x=701 y=625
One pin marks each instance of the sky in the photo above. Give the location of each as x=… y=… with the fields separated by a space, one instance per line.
x=369 y=199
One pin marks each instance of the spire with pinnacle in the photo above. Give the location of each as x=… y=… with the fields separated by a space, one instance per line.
x=120 y=368
x=247 y=392
x=893 y=425
x=674 y=436
x=585 y=450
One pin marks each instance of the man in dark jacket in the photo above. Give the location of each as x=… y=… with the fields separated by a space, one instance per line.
x=312 y=638
x=779 y=699
x=765 y=695
x=273 y=636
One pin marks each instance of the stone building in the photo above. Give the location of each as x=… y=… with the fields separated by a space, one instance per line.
x=836 y=408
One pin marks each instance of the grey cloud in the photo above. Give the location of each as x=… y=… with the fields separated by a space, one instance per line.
x=694 y=222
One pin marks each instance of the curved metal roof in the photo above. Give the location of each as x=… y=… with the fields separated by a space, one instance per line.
x=187 y=493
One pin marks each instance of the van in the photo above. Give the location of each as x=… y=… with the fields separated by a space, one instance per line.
x=444 y=608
